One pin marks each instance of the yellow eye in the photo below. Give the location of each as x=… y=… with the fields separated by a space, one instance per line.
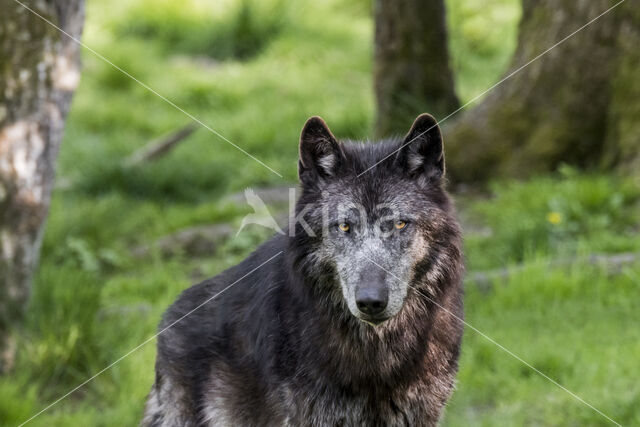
x=343 y=226
x=400 y=225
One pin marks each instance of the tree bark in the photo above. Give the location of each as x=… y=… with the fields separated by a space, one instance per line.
x=411 y=67
x=39 y=69
x=578 y=104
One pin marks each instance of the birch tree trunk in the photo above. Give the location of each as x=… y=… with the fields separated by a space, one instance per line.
x=578 y=104
x=39 y=71
x=411 y=67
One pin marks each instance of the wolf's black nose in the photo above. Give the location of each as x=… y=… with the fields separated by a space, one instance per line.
x=371 y=300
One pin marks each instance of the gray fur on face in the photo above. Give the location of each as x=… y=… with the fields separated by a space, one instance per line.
x=372 y=243
x=370 y=252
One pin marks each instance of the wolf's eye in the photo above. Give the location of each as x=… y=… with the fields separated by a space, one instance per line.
x=344 y=227
x=400 y=225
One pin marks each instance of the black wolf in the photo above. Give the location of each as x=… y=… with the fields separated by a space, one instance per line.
x=352 y=318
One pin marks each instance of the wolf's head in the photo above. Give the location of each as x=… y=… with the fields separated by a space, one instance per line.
x=374 y=217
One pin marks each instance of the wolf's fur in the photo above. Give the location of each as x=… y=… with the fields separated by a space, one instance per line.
x=287 y=344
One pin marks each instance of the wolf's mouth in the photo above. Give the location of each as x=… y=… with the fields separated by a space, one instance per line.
x=374 y=321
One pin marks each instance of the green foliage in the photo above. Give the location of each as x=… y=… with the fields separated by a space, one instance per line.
x=535 y=314
x=162 y=180
x=555 y=215
x=195 y=27
x=482 y=37
x=17 y=401
x=63 y=311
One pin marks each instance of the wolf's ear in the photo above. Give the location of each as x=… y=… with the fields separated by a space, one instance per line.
x=422 y=153
x=320 y=153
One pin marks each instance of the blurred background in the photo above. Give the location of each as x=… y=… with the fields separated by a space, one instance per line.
x=145 y=201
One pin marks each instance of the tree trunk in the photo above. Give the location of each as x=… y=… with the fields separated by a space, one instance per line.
x=578 y=104
x=39 y=69
x=411 y=68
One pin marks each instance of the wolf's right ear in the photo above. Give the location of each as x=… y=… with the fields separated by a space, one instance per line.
x=320 y=152
x=421 y=154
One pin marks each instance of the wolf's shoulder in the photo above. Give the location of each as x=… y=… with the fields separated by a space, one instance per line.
x=202 y=313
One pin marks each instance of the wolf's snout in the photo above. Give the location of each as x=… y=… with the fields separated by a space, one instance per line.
x=372 y=296
x=372 y=301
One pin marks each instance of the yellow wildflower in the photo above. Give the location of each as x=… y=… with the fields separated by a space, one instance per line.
x=554 y=218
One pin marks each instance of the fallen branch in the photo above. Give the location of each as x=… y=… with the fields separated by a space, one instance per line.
x=160 y=147
x=613 y=263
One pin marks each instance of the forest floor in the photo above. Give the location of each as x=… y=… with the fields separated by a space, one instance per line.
x=254 y=71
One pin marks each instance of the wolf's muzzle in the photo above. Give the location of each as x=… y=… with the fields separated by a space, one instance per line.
x=372 y=294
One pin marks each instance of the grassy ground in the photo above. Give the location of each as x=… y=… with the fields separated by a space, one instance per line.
x=254 y=71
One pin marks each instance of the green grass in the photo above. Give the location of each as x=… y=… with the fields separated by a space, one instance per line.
x=554 y=216
x=575 y=326
x=254 y=71
x=482 y=37
x=234 y=30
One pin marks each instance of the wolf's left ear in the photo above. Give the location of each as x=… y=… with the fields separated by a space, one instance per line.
x=422 y=154
x=320 y=152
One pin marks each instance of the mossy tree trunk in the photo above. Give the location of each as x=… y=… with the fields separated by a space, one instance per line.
x=579 y=104
x=39 y=71
x=411 y=67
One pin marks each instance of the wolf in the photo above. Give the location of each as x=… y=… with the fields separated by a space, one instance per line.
x=353 y=317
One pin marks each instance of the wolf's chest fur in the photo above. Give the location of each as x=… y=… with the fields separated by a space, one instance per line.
x=293 y=405
x=363 y=385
